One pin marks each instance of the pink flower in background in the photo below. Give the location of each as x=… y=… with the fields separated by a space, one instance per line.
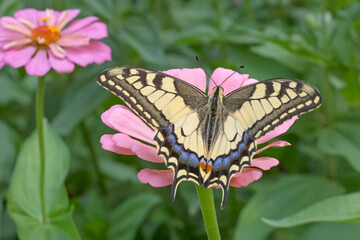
x=41 y=40
x=131 y=129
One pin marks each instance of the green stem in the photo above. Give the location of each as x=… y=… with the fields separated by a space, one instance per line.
x=99 y=176
x=40 y=130
x=208 y=211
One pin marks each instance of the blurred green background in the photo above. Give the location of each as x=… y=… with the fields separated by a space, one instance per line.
x=317 y=41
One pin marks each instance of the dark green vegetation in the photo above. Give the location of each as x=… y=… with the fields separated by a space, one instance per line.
x=314 y=193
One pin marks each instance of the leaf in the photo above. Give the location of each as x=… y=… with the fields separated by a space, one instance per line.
x=24 y=203
x=119 y=171
x=82 y=102
x=285 y=196
x=7 y=153
x=127 y=218
x=332 y=231
x=284 y=56
x=11 y=90
x=142 y=36
x=334 y=142
x=339 y=208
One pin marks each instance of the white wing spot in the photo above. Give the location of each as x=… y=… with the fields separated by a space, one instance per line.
x=103 y=78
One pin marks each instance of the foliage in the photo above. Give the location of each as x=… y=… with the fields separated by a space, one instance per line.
x=316 y=182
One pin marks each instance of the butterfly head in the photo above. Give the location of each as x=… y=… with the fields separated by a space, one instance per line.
x=216 y=97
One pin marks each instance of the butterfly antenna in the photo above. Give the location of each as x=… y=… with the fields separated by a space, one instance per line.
x=207 y=74
x=237 y=70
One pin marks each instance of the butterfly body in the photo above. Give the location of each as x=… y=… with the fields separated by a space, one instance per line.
x=208 y=139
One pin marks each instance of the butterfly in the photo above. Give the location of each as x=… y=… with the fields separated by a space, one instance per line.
x=207 y=139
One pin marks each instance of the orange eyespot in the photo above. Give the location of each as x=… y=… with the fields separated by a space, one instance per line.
x=208 y=169
x=203 y=166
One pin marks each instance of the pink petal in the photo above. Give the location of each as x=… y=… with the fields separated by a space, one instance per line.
x=194 y=76
x=109 y=144
x=123 y=144
x=52 y=15
x=277 y=131
x=8 y=35
x=29 y=14
x=156 y=178
x=245 y=177
x=60 y=65
x=66 y=16
x=79 y=56
x=249 y=81
x=95 y=30
x=97 y=52
x=12 y=24
x=38 y=65
x=230 y=80
x=17 y=43
x=73 y=40
x=18 y=58
x=264 y=163
x=123 y=120
x=1 y=59
x=273 y=144
x=57 y=51
x=141 y=150
x=78 y=24
x=100 y=51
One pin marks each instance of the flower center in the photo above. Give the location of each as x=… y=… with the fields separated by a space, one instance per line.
x=44 y=35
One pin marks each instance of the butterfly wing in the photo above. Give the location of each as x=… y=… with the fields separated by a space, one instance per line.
x=249 y=113
x=263 y=106
x=170 y=105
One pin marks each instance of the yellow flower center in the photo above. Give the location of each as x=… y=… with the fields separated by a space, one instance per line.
x=44 y=35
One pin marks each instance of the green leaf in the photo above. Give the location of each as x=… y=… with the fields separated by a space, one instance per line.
x=24 y=203
x=284 y=56
x=332 y=231
x=11 y=90
x=82 y=102
x=142 y=36
x=339 y=208
x=118 y=171
x=127 y=218
x=336 y=143
x=7 y=153
x=285 y=196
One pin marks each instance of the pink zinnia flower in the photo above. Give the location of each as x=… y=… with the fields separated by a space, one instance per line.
x=132 y=129
x=41 y=40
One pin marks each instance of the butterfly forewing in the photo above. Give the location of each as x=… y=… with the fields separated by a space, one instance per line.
x=263 y=106
x=156 y=97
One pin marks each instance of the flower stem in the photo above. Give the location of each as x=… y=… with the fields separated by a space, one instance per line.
x=208 y=211
x=40 y=130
